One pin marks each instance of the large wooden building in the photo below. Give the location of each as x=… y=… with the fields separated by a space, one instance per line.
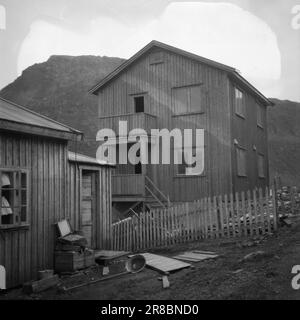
x=165 y=87
x=41 y=183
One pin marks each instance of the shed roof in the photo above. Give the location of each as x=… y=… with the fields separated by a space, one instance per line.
x=230 y=70
x=81 y=158
x=22 y=119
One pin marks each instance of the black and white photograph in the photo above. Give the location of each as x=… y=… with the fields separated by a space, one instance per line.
x=149 y=151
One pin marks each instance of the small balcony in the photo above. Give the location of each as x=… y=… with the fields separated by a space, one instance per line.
x=135 y=120
x=128 y=185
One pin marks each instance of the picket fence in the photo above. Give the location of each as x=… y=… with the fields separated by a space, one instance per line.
x=242 y=214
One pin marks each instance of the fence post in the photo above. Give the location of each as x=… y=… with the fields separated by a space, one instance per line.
x=261 y=210
x=209 y=224
x=274 y=200
x=226 y=215
x=232 y=215
x=268 y=210
x=255 y=212
x=216 y=217
x=244 y=214
x=221 y=216
x=250 y=212
x=238 y=215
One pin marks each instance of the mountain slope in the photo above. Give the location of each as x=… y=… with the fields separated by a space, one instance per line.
x=58 y=88
x=284 y=141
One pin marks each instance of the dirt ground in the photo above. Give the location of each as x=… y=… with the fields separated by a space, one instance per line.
x=267 y=277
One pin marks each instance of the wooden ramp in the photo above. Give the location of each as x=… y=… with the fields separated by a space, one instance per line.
x=164 y=264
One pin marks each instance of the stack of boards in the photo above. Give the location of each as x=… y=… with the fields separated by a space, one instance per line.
x=196 y=256
x=167 y=265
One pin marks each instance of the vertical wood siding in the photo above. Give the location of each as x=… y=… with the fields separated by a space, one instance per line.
x=54 y=194
x=25 y=251
x=102 y=223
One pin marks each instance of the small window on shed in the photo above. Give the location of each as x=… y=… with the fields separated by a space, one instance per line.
x=139 y=104
x=241 y=162
x=261 y=166
x=240 y=106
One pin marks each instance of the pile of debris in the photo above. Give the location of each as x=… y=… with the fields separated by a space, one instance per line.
x=288 y=201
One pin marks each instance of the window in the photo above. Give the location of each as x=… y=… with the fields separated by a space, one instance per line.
x=260 y=116
x=261 y=166
x=194 y=166
x=240 y=107
x=241 y=162
x=14 y=198
x=157 y=57
x=139 y=104
x=187 y=100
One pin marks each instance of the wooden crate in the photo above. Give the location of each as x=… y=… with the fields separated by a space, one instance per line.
x=70 y=261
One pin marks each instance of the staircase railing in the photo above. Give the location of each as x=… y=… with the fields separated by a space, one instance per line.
x=155 y=197
x=152 y=185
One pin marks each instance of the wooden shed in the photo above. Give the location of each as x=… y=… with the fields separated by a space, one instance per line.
x=41 y=182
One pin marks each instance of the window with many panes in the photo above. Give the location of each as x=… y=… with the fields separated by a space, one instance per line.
x=187 y=100
x=241 y=162
x=261 y=165
x=14 y=198
x=240 y=106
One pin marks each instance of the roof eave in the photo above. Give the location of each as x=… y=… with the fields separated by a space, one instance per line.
x=256 y=92
x=17 y=127
x=70 y=129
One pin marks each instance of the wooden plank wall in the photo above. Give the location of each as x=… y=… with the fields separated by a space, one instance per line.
x=24 y=252
x=103 y=222
x=157 y=81
x=54 y=195
x=128 y=184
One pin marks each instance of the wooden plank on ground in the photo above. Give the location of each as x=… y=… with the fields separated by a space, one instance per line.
x=40 y=285
x=164 y=264
x=194 y=257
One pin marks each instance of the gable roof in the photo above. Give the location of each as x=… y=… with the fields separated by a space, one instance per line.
x=18 y=118
x=81 y=158
x=230 y=70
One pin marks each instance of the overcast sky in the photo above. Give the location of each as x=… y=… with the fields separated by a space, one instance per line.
x=254 y=36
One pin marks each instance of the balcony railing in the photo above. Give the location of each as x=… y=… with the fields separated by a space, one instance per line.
x=128 y=185
x=136 y=120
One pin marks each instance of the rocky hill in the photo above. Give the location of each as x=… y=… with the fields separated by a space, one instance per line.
x=58 y=88
x=284 y=141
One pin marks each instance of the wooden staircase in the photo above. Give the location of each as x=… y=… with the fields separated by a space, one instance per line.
x=155 y=198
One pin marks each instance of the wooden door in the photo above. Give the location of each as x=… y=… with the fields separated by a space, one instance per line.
x=88 y=206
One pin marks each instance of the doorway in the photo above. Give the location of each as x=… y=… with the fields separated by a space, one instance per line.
x=88 y=206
